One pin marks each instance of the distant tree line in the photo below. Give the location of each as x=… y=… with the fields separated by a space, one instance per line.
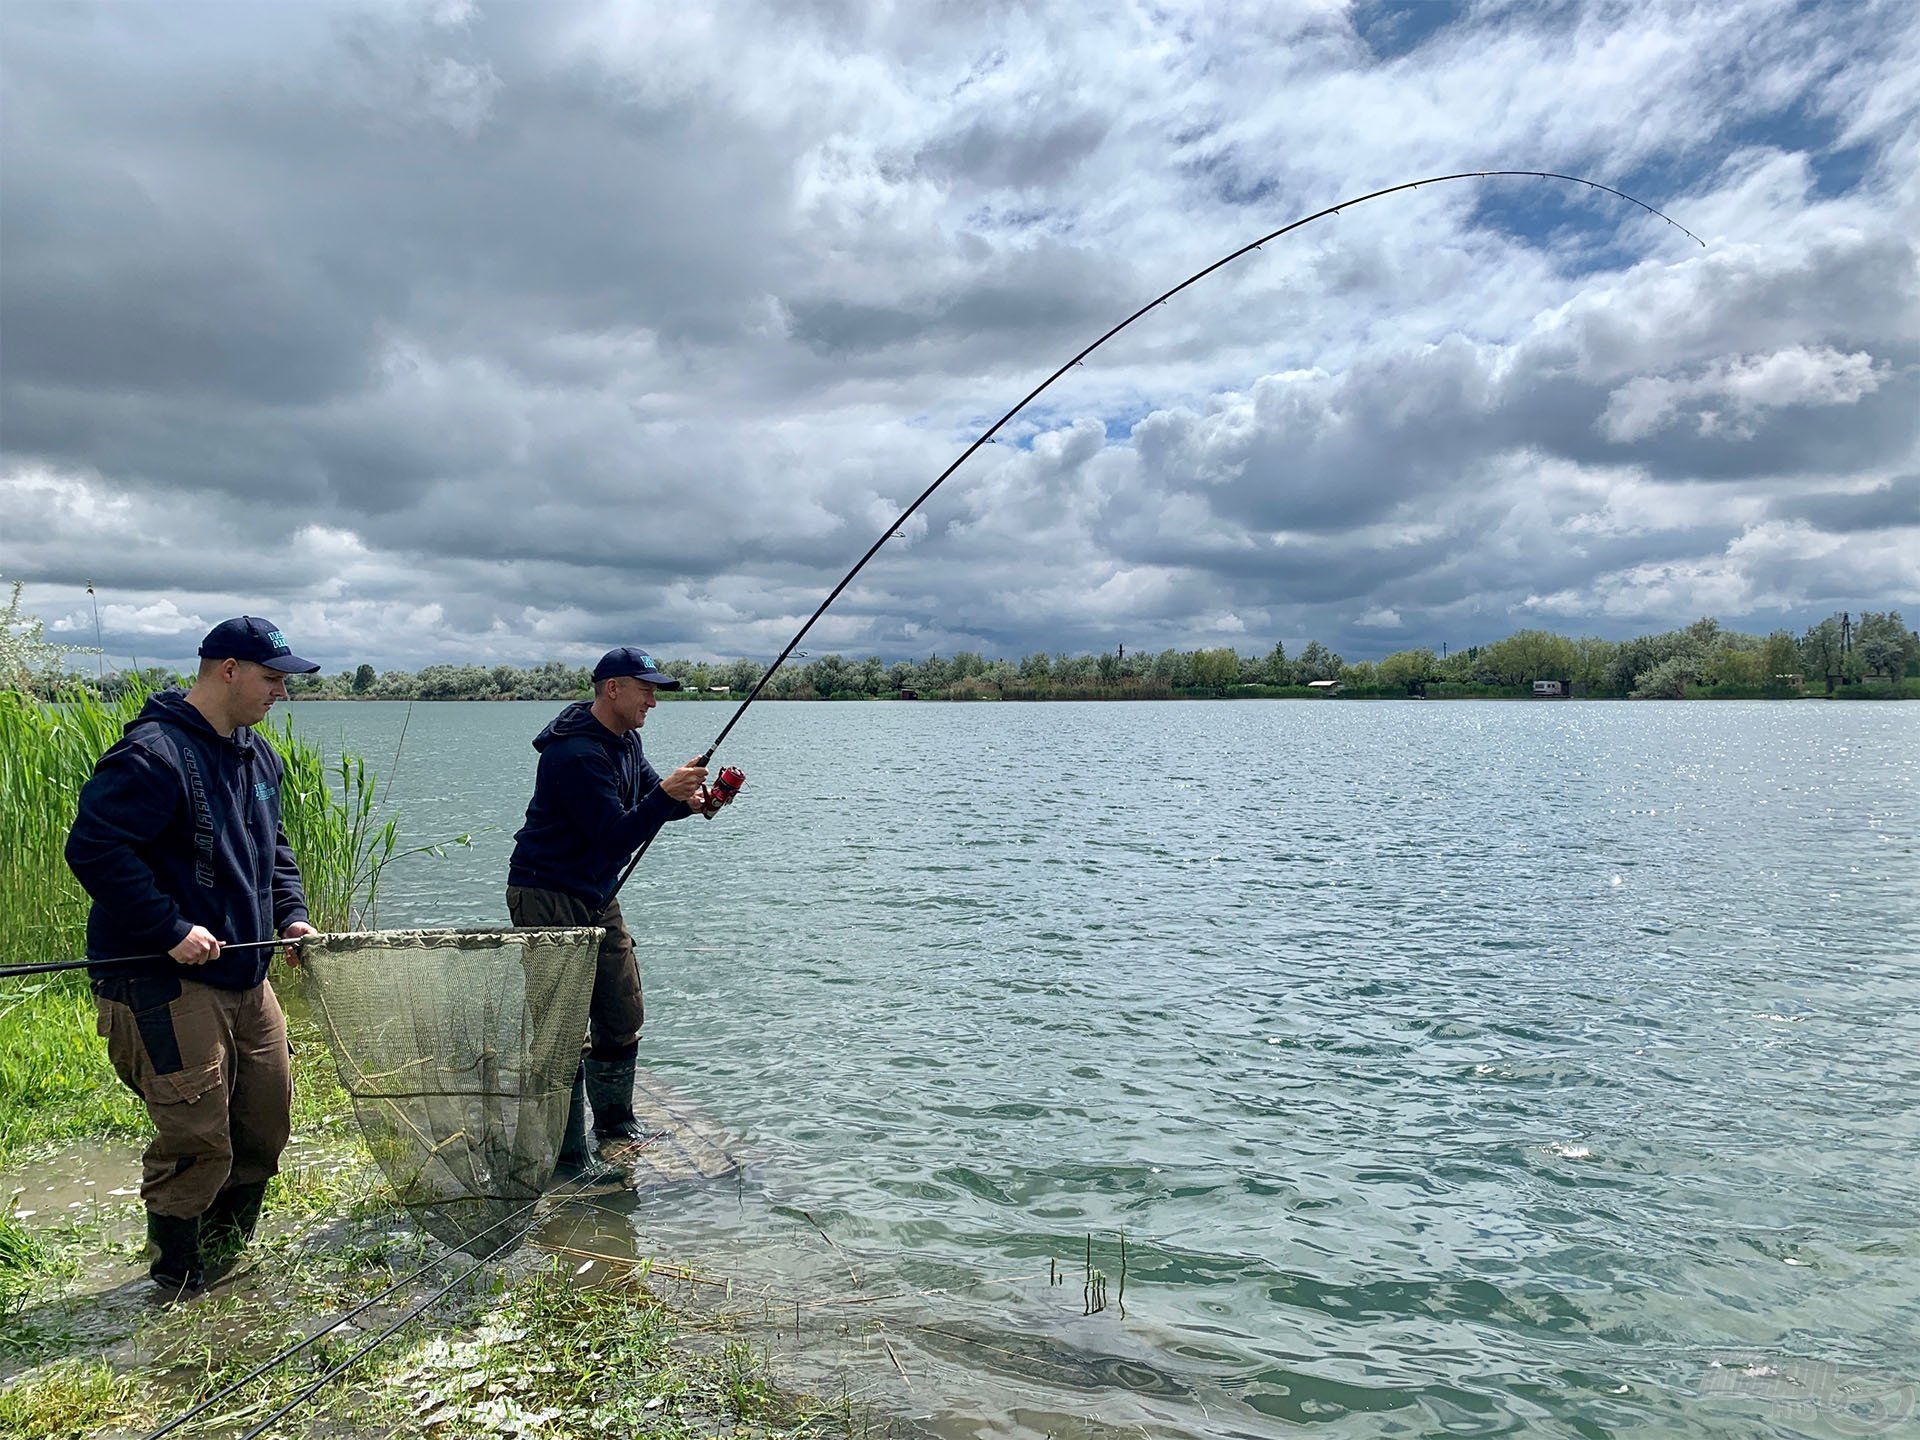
x=1874 y=651
x=1872 y=655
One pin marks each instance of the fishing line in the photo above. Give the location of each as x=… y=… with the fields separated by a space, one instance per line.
x=986 y=436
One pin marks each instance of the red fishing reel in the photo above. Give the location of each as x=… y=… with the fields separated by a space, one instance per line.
x=727 y=783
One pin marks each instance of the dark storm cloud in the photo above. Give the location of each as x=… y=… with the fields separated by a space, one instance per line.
x=1009 y=296
x=1015 y=151
x=1893 y=503
x=191 y=286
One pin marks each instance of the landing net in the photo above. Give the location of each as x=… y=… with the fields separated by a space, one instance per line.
x=458 y=1050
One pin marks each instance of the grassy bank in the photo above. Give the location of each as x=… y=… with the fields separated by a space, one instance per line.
x=521 y=1348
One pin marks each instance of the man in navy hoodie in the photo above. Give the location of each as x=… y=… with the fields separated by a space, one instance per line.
x=178 y=842
x=595 y=801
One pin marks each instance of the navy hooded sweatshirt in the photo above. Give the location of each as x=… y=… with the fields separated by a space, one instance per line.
x=595 y=801
x=180 y=826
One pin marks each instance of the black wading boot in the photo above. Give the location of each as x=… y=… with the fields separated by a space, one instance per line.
x=610 y=1089
x=173 y=1247
x=229 y=1222
x=576 y=1160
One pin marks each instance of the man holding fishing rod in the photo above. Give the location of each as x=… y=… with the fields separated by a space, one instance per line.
x=178 y=841
x=595 y=802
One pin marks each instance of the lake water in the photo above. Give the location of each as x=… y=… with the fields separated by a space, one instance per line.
x=1453 y=1068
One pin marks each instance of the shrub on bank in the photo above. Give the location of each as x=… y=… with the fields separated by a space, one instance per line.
x=1907 y=689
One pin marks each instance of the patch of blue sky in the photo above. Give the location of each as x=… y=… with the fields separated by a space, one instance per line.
x=1835 y=172
x=1587 y=230
x=1040 y=418
x=1798 y=128
x=1392 y=28
x=1571 y=220
x=1119 y=427
x=1814 y=133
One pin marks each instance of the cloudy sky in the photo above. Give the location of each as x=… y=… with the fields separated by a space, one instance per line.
x=499 y=332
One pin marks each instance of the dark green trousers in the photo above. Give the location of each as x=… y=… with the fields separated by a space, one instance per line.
x=617 y=1010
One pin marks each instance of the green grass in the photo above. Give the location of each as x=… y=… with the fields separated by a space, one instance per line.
x=66 y=1400
x=606 y=1360
x=46 y=754
x=23 y=1261
x=55 y=1083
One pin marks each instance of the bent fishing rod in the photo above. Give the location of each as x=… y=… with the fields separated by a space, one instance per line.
x=987 y=436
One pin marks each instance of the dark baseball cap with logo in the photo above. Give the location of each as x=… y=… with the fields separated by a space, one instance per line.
x=626 y=660
x=251 y=638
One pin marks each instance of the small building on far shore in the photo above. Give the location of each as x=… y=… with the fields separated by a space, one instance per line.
x=906 y=694
x=1552 y=689
x=1324 y=687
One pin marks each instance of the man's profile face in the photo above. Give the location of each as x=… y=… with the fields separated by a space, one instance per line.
x=632 y=698
x=247 y=689
x=255 y=688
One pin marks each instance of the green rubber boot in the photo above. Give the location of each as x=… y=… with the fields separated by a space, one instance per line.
x=610 y=1089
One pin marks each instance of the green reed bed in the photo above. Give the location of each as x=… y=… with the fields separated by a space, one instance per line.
x=55 y=1082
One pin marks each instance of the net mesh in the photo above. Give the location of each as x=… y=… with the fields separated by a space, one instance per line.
x=458 y=1050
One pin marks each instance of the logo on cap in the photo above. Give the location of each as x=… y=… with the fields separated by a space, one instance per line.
x=248 y=637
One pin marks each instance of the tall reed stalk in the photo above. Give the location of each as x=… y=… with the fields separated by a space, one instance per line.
x=341 y=847
x=54 y=1079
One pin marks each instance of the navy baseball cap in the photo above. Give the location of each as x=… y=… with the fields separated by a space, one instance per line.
x=251 y=638
x=626 y=660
